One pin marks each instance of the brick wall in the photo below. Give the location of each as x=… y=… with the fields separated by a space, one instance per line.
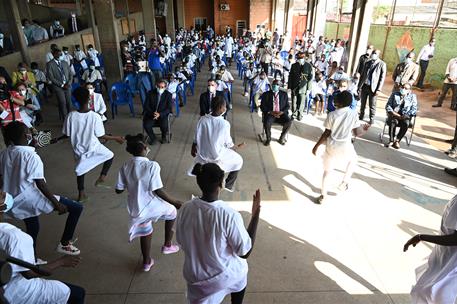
x=198 y=8
x=259 y=13
x=239 y=10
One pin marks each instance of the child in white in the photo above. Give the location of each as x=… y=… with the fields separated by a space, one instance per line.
x=147 y=202
x=437 y=279
x=339 y=126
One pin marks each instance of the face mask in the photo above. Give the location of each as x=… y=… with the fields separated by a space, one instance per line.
x=275 y=88
x=57 y=23
x=147 y=151
x=92 y=68
x=35 y=71
x=23 y=92
x=403 y=92
x=90 y=50
x=408 y=60
x=65 y=52
x=160 y=90
x=301 y=61
x=212 y=89
x=23 y=71
x=9 y=202
x=374 y=56
x=91 y=91
x=369 y=52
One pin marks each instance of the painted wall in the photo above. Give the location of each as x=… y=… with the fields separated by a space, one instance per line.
x=445 y=45
x=239 y=10
x=198 y=8
x=259 y=13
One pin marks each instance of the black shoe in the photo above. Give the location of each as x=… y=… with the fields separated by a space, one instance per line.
x=266 y=143
x=300 y=117
x=282 y=141
x=360 y=117
x=164 y=140
x=436 y=105
x=371 y=121
x=450 y=171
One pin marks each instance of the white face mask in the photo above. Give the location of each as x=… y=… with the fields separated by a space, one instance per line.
x=23 y=92
x=91 y=91
x=160 y=90
x=9 y=202
x=212 y=89
x=408 y=60
x=374 y=56
x=301 y=61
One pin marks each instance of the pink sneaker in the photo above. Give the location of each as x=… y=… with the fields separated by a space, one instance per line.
x=147 y=267
x=171 y=249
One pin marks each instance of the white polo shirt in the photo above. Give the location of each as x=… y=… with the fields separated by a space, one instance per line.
x=20 y=166
x=20 y=290
x=213 y=237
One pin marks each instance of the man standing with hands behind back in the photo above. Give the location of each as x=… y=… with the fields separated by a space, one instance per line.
x=275 y=108
x=58 y=72
x=423 y=59
x=300 y=76
x=371 y=82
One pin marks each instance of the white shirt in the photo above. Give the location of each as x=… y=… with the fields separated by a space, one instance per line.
x=213 y=237
x=227 y=76
x=141 y=177
x=49 y=57
x=321 y=65
x=426 y=51
x=341 y=122
x=20 y=166
x=451 y=70
x=20 y=290
x=84 y=129
x=99 y=105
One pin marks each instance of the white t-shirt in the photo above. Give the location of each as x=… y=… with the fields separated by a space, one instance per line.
x=20 y=166
x=341 y=122
x=84 y=129
x=213 y=237
x=20 y=290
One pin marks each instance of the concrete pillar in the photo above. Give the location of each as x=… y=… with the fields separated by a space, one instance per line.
x=362 y=12
x=310 y=14
x=109 y=39
x=289 y=17
x=170 y=20
x=78 y=7
x=316 y=22
x=92 y=23
x=181 y=16
x=16 y=29
x=24 y=9
x=149 y=20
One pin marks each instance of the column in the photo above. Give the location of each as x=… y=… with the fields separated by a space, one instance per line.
x=170 y=21
x=92 y=23
x=109 y=39
x=78 y=8
x=317 y=24
x=149 y=20
x=24 y=9
x=362 y=12
x=16 y=30
x=310 y=14
x=181 y=17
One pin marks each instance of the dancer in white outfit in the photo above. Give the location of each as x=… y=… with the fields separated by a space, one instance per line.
x=437 y=279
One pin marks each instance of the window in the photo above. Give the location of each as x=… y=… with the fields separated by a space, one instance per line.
x=382 y=11
x=200 y=23
x=240 y=26
x=449 y=14
x=416 y=12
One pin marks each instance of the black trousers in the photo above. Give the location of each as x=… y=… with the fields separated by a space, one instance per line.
x=105 y=169
x=424 y=65
x=393 y=124
x=283 y=120
x=265 y=67
x=367 y=94
x=149 y=124
x=446 y=88
x=230 y=180
x=237 y=297
x=454 y=143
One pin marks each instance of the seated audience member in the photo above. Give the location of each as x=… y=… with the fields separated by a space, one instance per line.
x=158 y=105
x=85 y=129
x=260 y=86
x=39 y=33
x=10 y=104
x=318 y=92
x=41 y=82
x=400 y=107
x=22 y=172
x=56 y=30
x=92 y=75
x=25 y=77
x=248 y=77
x=92 y=53
x=321 y=64
x=25 y=285
x=31 y=111
x=213 y=142
x=275 y=109
x=80 y=57
x=208 y=96
x=214 y=240
x=96 y=102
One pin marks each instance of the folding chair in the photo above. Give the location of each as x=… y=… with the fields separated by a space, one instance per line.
x=262 y=135
x=120 y=94
x=169 y=134
x=409 y=138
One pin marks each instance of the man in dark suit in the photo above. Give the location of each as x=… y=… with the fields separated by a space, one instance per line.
x=300 y=77
x=364 y=59
x=275 y=109
x=370 y=84
x=58 y=72
x=157 y=107
x=206 y=97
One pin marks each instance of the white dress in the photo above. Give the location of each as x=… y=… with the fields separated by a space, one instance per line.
x=141 y=177
x=84 y=129
x=214 y=144
x=20 y=290
x=437 y=279
x=213 y=237
x=339 y=148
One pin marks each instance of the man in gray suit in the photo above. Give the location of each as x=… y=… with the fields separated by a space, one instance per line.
x=58 y=72
x=405 y=72
x=371 y=82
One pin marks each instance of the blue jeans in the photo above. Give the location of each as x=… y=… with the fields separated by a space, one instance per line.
x=77 y=294
x=32 y=224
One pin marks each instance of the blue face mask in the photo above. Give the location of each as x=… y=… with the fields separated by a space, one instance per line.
x=275 y=88
x=9 y=201
x=403 y=92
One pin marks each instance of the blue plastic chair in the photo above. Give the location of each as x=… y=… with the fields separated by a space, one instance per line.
x=132 y=81
x=75 y=103
x=181 y=90
x=119 y=95
x=145 y=85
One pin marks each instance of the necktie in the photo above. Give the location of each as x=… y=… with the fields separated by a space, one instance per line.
x=59 y=65
x=276 y=103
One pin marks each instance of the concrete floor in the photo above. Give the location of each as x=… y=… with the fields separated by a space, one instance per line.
x=348 y=250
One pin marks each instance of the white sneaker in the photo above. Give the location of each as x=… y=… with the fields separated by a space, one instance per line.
x=39 y=262
x=68 y=249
